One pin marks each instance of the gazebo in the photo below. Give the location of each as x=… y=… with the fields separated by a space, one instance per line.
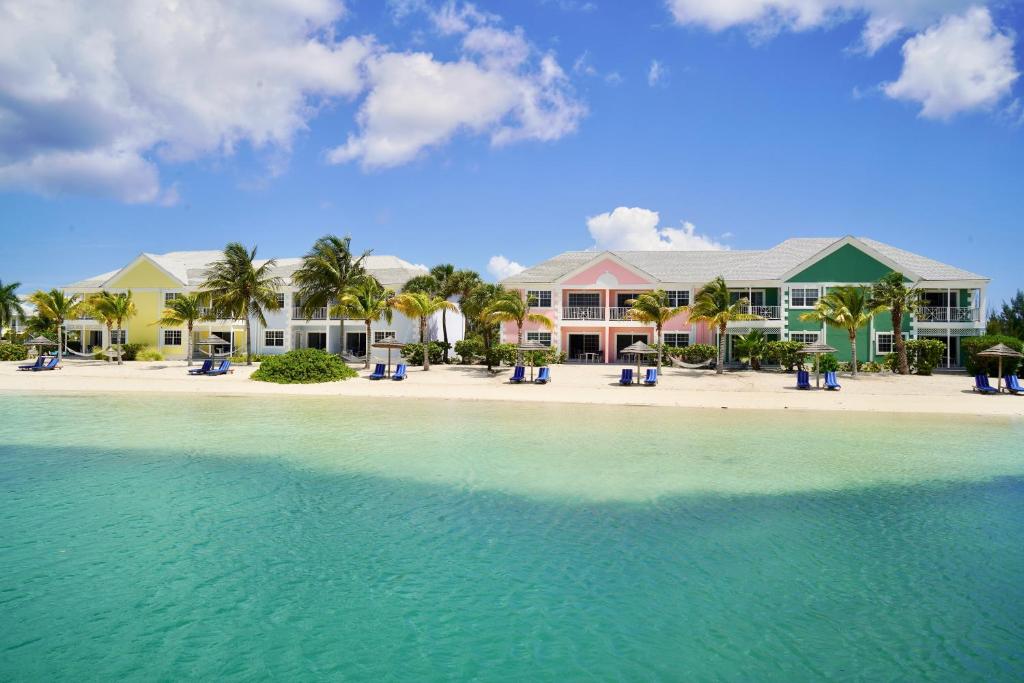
x=1000 y=351
x=638 y=349
x=817 y=348
x=388 y=343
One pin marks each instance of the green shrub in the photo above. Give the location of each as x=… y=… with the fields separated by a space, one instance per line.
x=550 y=357
x=976 y=364
x=869 y=366
x=469 y=349
x=785 y=353
x=413 y=353
x=502 y=354
x=129 y=351
x=923 y=356
x=303 y=366
x=256 y=358
x=698 y=353
x=13 y=351
x=148 y=353
x=826 y=363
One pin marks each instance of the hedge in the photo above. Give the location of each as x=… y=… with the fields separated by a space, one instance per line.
x=10 y=351
x=976 y=364
x=303 y=366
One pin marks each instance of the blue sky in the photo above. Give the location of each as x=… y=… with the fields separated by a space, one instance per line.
x=450 y=132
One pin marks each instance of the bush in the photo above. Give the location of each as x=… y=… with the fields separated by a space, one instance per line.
x=469 y=349
x=550 y=357
x=13 y=351
x=413 y=353
x=129 y=351
x=256 y=358
x=869 y=366
x=502 y=353
x=697 y=353
x=785 y=353
x=303 y=366
x=149 y=354
x=976 y=364
x=923 y=356
x=826 y=363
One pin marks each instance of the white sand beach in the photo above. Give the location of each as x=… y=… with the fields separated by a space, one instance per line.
x=585 y=384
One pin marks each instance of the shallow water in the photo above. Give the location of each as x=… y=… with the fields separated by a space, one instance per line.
x=187 y=537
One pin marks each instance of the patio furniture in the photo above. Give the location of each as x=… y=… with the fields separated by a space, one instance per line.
x=543 y=376
x=830 y=381
x=378 y=372
x=399 y=372
x=803 y=379
x=982 y=386
x=627 y=377
x=206 y=367
x=652 y=377
x=518 y=375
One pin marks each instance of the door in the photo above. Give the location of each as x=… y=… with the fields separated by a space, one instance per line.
x=624 y=340
x=581 y=344
x=221 y=349
x=316 y=340
x=355 y=343
x=95 y=340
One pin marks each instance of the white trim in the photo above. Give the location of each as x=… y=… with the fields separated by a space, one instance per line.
x=839 y=244
x=133 y=262
x=793 y=307
x=275 y=331
x=163 y=336
x=604 y=254
x=551 y=298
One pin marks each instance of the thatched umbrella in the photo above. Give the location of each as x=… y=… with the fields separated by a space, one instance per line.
x=530 y=345
x=817 y=348
x=39 y=341
x=211 y=341
x=638 y=349
x=388 y=343
x=1001 y=351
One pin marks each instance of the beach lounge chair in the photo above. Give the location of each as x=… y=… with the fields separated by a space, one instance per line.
x=206 y=367
x=378 y=371
x=652 y=377
x=544 y=376
x=222 y=369
x=982 y=386
x=1013 y=384
x=399 y=373
x=518 y=375
x=627 y=377
x=831 y=382
x=50 y=365
x=32 y=366
x=803 y=379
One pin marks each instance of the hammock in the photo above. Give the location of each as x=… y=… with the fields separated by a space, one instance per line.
x=691 y=366
x=210 y=354
x=109 y=351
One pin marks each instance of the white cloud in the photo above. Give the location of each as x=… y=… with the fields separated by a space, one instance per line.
x=417 y=101
x=656 y=73
x=962 y=63
x=500 y=267
x=92 y=93
x=636 y=229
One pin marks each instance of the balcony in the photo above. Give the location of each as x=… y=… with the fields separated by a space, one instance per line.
x=619 y=313
x=944 y=314
x=318 y=314
x=582 y=313
x=764 y=312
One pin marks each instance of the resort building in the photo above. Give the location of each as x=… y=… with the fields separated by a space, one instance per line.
x=586 y=295
x=155 y=279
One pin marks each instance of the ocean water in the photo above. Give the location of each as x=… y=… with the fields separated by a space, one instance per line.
x=201 y=538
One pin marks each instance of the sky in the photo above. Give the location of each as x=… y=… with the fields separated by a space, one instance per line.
x=493 y=135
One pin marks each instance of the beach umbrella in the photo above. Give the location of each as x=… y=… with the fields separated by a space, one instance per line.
x=817 y=348
x=532 y=346
x=388 y=343
x=39 y=341
x=638 y=349
x=1001 y=351
x=211 y=341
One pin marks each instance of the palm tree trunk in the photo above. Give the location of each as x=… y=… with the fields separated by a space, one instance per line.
x=60 y=346
x=426 y=343
x=188 y=349
x=853 y=352
x=720 y=367
x=367 y=365
x=444 y=331
x=120 y=347
x=110 y=340
x=519 y=352
x=658 y=330
x=341 y=331
x=901 y=346
x=248 y=342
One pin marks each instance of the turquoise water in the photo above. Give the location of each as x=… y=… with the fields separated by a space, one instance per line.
x=237 y=538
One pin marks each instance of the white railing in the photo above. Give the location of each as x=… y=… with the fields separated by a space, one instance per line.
x=318 y=314
x=619 y=313
x=943 y=314
x=582 y=313
x=764 y=312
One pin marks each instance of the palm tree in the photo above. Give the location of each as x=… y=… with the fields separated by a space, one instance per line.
x=239 y=289
x=326 y=274
x=891 y=292
x=752 y=347
x=422 y=305
x=475 y=306
x=714 y=306
x=512 y=306
x=849 y=308
x=368 y=301
x=114 y=310
x=184 y=310
x=57 y=307
x=652 y=308
x=10 y=305
x=422 y=283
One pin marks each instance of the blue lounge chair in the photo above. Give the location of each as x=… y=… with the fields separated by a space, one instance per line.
x=51 y=365
x=225 y=366
x=831 y=382
x=652 y=377
x=803 y=379
x=982 y=386
x=378 y=372
x=544 y=376
x=1013 y=385
x=399 y=373
x=207 y=366
x=518 y=375
x=627 y=377
x=32 y=366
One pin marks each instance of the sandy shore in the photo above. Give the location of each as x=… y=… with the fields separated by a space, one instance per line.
x=595 y=384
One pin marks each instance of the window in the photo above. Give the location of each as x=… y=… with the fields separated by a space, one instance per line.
x=172 y=337
x=280 y=299
x=381 y=335
x=584 y=300
x=541 y=337
x=622 y=299
x=679 y=297
x=803 y=298
x=170 y=296
x=677 y=339
x=883 y=343
x=273 y=337
x=541 y=298
x=804 y=337
x=118 y=337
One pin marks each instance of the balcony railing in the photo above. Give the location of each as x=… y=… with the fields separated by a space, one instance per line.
x=318 y=314
x=764 y=312
x=943 y=314
x=583 y=313
x=619 y=313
